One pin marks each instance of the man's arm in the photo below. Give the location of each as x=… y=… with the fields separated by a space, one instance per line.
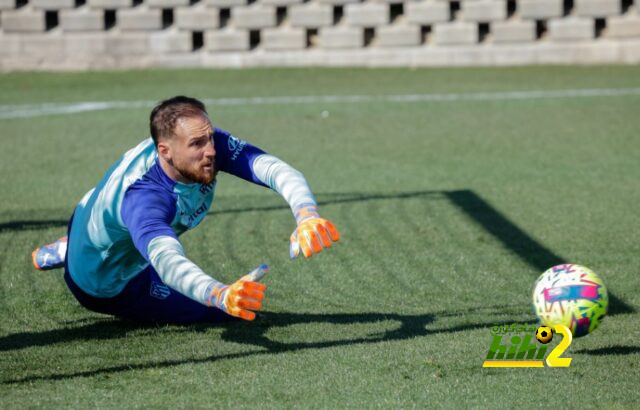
x=177 y=271
x=246 y=161
x=148 y=215
x=312 y=233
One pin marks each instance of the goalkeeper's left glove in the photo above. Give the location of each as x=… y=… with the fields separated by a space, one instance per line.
x=312 y=234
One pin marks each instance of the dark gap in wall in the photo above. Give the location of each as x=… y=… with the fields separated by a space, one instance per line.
x=541 y=29
x=454 y=7
x=424 y=34
x=312 y=37
x=281 y=15
x=167 y=18
x=396 y=10
x=254 y=39
x=338 y=12
x=567 y=7
x=50 y=19
x=511 y=8
x=197 y=40
x=109 y=19
x=225 y=16
x=483 y=31
x=601 y=24
x=369 y=34
x=626 y=4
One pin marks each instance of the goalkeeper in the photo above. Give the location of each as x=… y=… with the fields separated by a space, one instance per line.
x=122 y=255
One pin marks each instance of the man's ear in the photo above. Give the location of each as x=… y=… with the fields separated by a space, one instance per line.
x=164 y=150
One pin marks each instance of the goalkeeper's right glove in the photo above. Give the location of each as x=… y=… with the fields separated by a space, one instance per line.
x=246 y=293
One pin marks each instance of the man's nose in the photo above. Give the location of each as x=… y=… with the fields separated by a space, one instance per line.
x=210 y=149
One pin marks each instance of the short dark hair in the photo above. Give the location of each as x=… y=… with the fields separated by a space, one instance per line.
x=164 y=116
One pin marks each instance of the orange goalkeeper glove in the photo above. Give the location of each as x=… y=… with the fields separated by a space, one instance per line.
x=312 y=234
x=242 y=297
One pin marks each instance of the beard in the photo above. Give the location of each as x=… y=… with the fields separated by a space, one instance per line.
x=199 y=174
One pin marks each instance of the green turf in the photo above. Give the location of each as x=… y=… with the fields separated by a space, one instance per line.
x=448 y=211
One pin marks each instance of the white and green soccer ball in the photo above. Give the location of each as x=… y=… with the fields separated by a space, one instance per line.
x=571 y=295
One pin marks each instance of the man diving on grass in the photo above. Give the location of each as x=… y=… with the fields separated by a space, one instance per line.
x=122 y=255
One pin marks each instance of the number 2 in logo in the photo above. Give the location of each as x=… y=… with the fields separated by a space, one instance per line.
x=554 y=359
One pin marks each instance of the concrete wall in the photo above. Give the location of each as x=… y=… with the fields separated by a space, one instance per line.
x=80 y=34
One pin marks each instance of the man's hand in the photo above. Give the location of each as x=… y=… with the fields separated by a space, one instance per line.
x=312 y=234
x=244 y=294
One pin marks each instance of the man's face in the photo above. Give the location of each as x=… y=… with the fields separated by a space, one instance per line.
x=191 y=150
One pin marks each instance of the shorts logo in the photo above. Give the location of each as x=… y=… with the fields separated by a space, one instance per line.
x=235 y=146
x=159 y=290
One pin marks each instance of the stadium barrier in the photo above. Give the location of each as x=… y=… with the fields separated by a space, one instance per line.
x=82 y=34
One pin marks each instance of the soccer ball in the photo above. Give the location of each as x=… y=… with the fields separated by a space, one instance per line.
x=544 y=334
x=571 y=295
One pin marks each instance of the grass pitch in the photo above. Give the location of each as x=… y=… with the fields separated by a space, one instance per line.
x=448 y=211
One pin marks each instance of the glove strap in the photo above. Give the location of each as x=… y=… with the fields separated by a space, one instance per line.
x=305 y=212
x=215 y=294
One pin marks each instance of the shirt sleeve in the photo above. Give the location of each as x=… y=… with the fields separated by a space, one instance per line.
x=285 y=180
x=147 y=213
x=239 y=158
x=235 y=156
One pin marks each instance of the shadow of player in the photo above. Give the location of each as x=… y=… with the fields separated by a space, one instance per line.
x=252 y=335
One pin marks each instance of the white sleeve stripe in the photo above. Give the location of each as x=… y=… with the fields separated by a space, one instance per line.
x=284 y=179
x=176 y=271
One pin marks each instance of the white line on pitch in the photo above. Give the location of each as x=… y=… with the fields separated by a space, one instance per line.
x=35 y=110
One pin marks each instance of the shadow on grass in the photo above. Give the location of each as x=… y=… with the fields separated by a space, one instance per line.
x=476 y=208
x=335 y=198
x=611 y=351
x=248 y=334
x=32 y=225
x=518 y=241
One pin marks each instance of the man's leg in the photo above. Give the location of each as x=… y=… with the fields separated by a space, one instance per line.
x=147 y=299
x=50 y=256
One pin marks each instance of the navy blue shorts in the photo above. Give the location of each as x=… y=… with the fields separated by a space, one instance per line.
x=147 y=299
